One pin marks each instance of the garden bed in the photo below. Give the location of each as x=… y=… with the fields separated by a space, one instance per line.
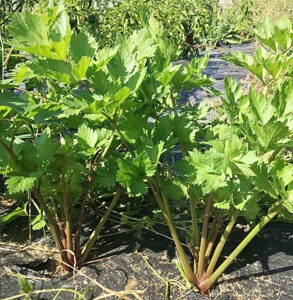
x=146 y=265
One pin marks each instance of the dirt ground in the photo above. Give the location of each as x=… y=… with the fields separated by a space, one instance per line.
x=142 y=266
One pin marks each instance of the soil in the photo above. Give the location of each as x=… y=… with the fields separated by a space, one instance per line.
x=140 y=264
x=125 y=262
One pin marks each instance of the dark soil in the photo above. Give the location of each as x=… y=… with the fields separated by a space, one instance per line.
x=142 y=263
x=124 y=262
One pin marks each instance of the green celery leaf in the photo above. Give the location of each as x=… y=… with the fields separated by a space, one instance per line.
x=261 y=107
x=132 y=173
x=80 y=69
x=17 y=103
x=19 y=184
x=237 y=154
x=283 y=99
x=163 y=133
x=82 y=45
x=45 y=113
x=103 y=57
x=22 y=72
x=43 y=34
x=133 y=127
x=249 y=62
x=106 y=175
x=276 y=36
x=174 y=189
x=184 y=131
x=210 y=170
x=222 y=198
x=87 y=138
x=271 y=135
x=60 y=35
x=104 y=136
x=263 y=182
x=46 y=149
x=54 y=69
x=283 y=172
x=167 y=74
x=234 y=93
x=30 y=32
x=154 y=153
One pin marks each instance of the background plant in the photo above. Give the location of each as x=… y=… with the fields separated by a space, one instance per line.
x=191 y=25
x=260 y=10
x=272 y=63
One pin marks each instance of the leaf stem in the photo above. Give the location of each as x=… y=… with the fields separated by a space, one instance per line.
x=194 y=222
x=95 y=234
x=181 y=253
x=115 y=127
x=213 y=235
x=53 y=228
x=203 y=241
x=220 y=246
x=67 y=216
x=211 y=281
x=84 y=197
x=174 y=104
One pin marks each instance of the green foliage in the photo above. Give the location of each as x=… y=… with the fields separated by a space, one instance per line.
x=26 y=287
x=190 y=24
x=272 y=63
x=47 y=34
x=17 y=212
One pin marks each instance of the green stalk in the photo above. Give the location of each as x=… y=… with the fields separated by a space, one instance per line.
x=220 y=246
x=194 y=222
x=174 y=104
x=59 y=222
x=2 y=59
x=214 y=232
x=115 y=127
x=95 y=234
x=203 y=241
x=67 y=216
x=211 y=281
x=84 y=198
x=192 y=201
x=53 y=228
x=181 y=253
x=7 y=58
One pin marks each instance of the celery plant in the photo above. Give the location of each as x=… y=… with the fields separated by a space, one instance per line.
x=109 y=120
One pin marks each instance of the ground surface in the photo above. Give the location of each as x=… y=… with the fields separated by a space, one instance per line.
x=142 y=264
